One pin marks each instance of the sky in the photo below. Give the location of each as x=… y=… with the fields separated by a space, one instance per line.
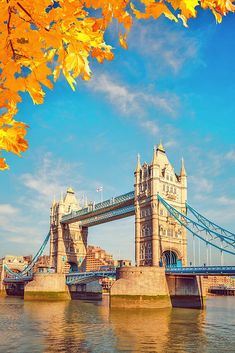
x=173 y=84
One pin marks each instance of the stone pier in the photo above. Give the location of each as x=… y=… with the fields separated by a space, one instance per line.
x=150 y=287
x=49 y=286
x=140 y=287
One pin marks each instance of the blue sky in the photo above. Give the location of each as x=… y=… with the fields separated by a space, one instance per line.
x=173 y=83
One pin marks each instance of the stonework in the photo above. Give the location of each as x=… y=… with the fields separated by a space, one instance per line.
x=49 y=286
x=143 y=287
x=68 y=242
x=159 y=239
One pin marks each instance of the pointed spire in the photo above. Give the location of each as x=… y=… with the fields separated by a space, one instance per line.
x=70 y=190
x=154 y=162
x=138 y=166
x=54 y=201
x=182 y=170
x=160 y=147
x=61 y=197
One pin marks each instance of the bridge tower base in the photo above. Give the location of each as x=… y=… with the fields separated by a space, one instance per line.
x=149 y=287
x=140 y=287
x=186 y=291
x=50 y=286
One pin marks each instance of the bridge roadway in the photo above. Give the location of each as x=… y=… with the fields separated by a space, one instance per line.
x=106 y=211
x=85 y=277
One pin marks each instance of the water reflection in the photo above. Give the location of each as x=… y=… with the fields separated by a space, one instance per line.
x=163 y=330
x=79 y=327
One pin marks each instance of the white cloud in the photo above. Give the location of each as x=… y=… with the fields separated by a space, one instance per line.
x=167 y=49
x=230 y=156
x=200 y=185
x=8 y=210
x=49 y=178
x=150 y=126
x=130 y=101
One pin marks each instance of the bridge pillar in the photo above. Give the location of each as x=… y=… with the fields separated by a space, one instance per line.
x=187 y=291
x=68 y=242
x=140 y=287
x=159 y=239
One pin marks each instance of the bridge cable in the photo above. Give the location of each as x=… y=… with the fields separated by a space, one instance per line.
x=187 y=222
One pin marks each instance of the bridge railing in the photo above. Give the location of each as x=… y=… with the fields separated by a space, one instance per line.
x=99 y=206
x=202 y=270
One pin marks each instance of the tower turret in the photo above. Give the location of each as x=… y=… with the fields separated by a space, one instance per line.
x=182 y=170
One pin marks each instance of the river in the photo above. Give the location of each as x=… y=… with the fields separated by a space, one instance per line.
x=85 y=327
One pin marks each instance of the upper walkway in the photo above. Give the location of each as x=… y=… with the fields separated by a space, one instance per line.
x=106 y=211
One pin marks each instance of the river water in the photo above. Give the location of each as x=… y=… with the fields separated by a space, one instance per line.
x=85 y=327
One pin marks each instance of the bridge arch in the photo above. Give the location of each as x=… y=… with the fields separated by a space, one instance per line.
x=170 y=257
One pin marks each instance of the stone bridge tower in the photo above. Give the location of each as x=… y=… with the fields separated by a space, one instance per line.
x=159 y=238
x=68 y=242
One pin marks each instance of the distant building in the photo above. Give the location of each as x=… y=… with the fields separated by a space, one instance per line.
x=123 y=263
x=96 y=258
x=220 y=281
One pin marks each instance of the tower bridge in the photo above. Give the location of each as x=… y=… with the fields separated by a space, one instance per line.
x=163 y=221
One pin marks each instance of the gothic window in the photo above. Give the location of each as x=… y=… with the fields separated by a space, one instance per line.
x=171 y=189
x=167 y=177
x=163 y=187
x=142 y=252
x=146 y=231
x=161 y=212
x=149 y=251
x=171 y=178
x=167 y=188
x=174 y=190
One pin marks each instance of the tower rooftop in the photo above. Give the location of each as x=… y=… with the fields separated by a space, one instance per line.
x=160 y=147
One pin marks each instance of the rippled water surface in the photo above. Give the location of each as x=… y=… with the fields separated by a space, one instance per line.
x=76 y=326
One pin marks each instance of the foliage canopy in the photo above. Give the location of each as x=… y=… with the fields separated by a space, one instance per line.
x=42 y=39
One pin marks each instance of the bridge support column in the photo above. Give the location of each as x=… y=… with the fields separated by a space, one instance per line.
x=186 y=291
x=47 y=286
x=140 y=287
x=137 y=235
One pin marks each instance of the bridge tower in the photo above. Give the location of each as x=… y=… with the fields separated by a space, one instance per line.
x=68 y=242
x=159 y=239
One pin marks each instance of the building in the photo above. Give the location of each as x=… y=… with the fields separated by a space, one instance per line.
x=96 y=258
x=123 y=263
x=159 y=238
x=220 y=281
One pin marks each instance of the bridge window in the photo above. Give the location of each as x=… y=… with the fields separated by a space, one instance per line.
x=169 y=258
x=146 y=231
x=164 y=187
x=161 y=212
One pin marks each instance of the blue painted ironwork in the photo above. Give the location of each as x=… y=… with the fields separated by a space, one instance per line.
x=199 y=230
x=101 y=206
x=29 y=267
x=81 y=277
x=207 y=270
x=20 y=279
x=227 y=235
x=107 y=216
